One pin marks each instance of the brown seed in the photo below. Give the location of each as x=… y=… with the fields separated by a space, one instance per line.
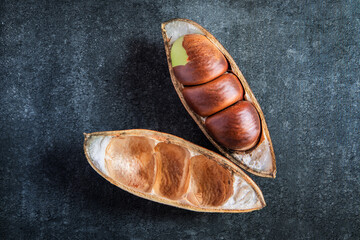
x=211 y=97
x=205 y=62
x=237 y=127
x=172 y=164
x=130 y=161
x=211 y=184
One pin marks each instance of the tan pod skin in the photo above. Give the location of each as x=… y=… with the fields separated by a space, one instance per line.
x=260 y=158
x=170 y=170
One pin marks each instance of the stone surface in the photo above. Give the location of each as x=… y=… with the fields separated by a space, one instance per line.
x=68 y=68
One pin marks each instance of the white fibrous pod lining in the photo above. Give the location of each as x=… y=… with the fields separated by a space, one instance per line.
x=244 y=196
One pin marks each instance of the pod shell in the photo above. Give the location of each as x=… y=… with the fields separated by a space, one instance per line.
x=168 y=138
x=259 y=160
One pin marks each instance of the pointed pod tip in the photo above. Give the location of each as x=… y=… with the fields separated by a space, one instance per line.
x=86 y=135
x=263 y=203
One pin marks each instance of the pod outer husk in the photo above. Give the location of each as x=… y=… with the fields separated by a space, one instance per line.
x=237 y=157
x=168 y=138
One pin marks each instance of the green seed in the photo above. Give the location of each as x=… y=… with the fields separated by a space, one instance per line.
x=178 y=53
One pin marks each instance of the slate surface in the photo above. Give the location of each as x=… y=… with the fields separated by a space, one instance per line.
x=68 y=68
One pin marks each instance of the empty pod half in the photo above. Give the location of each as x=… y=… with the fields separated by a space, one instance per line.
x=170 y=170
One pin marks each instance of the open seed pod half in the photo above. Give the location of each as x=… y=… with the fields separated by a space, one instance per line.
x=170 y=170
x=217 y=96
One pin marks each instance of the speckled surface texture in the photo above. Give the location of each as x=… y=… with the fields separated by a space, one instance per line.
x=68 y=68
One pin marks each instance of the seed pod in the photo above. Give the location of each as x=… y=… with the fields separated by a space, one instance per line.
x=252 y=148
x=170 y=170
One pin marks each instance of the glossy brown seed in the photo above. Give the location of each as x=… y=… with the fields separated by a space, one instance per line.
x=237 y=127
x=172 y=164
x=205 y=61
x=130 y=161
x=211 y=97
x=211 y=184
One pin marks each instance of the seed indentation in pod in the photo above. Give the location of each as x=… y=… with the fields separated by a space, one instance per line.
x=130 y=161
x=172 y=163
x=211 y=184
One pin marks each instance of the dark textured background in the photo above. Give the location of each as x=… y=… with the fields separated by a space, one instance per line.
x=68 y=68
